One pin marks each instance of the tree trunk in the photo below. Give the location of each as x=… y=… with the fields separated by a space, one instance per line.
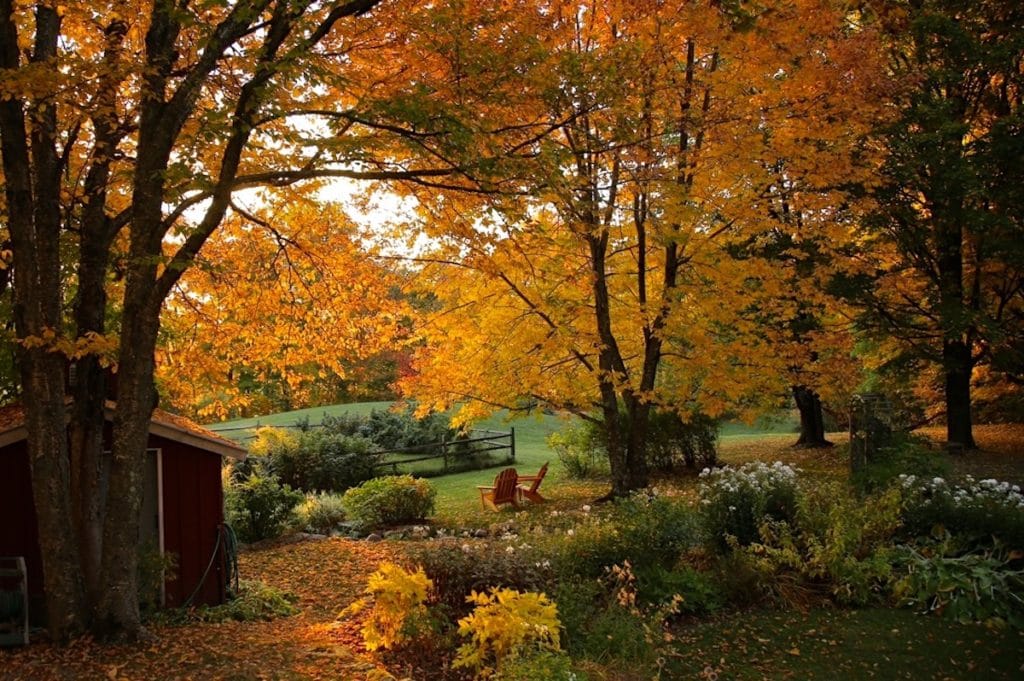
x=31 y=168
x=618 y=461
x=812 y=418
x=956 y=359
x=638 y=414
x=118 y=610
x=42 y=375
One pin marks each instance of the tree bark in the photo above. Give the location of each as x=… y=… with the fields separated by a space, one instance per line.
x=31 y=184
x=812 y=418
x=957 y=365
x=117 y=613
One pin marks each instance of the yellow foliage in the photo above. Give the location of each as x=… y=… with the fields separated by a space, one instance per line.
x=395 y=598
x=506 y=624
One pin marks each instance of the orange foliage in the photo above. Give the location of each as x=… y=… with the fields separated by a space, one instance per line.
x=674 y=131
x=297 y=298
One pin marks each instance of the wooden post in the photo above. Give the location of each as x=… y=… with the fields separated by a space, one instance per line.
x=444 y=452
x=512 y=442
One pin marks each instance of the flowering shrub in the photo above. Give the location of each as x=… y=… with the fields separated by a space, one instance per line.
x=644 y=529
x=396 y=599
x=504 y=625
x=736 y=501
x=973 y=512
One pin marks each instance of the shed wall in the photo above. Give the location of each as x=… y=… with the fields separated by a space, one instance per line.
x=192 y=506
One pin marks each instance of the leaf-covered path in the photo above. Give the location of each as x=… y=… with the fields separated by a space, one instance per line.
x=327 y=575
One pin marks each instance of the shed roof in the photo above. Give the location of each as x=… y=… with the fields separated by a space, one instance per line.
x=162 y=423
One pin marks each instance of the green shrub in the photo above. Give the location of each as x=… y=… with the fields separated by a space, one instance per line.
x=640 y=529
x=596 y=626
x=975 y=512
x=700 y=591
x=674 y=443
x=322 y=461
x=320 y=513
x=736 y=501
x=392 y=430
x=581 y=450
x=543 y=666
x=978 y=587
x=259 y=506
x=605 y=622
x=838 y=546
x=907 y=455
x=458 y=568
x=256 y=601
x=154 y=569
x=389 y=500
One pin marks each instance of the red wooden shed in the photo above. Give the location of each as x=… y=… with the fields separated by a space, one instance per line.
x=182 y=507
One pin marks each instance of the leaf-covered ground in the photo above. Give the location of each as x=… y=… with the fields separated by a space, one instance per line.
x=846 y=645
x=326 y=576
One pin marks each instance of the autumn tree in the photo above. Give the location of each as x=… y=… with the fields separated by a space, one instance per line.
x=288 y=293
x=126 y=128
x=599 y=288
x=947 y=282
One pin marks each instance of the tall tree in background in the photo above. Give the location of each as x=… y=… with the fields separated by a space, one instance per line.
x=601 y=289
x=946 y=249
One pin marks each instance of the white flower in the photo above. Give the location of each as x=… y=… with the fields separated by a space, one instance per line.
x=570 y=532
x=586 y=508
x=465 y=548
x=510 y=549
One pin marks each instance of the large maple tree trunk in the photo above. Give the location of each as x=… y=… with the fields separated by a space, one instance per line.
x=956 y=359
x=118 y=609
x=957 y=364
x=31 y=165
x=812 y=418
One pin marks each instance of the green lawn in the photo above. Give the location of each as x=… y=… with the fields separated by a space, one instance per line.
x=458 y=498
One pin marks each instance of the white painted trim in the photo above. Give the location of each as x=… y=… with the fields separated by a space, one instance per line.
x=169 y=431
x=12 y=436
x=232 y=451
x=160 y=519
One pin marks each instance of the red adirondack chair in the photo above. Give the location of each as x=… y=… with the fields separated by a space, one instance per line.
x=503 y=491
x=534 y=481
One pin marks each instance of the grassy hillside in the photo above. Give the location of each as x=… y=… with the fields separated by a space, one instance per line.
x=459 y=489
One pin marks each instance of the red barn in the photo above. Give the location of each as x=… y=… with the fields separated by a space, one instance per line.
x=182 y=507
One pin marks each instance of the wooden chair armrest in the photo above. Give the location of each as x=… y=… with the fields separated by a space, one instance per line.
x=485 y=487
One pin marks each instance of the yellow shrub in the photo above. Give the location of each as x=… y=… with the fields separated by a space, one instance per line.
x=504 y=625
x=396 y=599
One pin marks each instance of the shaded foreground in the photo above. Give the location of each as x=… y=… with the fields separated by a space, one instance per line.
x=329 y=574
x=325 y=575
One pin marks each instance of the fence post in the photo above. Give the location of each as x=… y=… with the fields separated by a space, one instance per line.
x=512 y=442
x=444 y=452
